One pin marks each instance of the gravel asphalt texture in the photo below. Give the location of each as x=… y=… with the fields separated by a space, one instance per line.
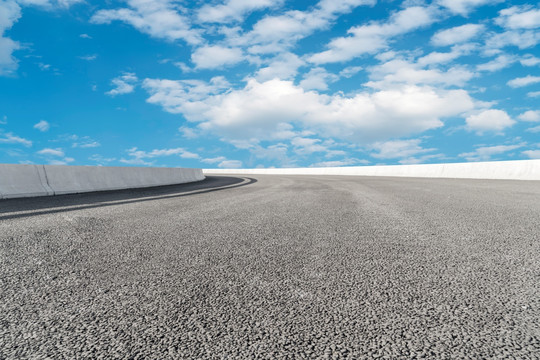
x=275 y=267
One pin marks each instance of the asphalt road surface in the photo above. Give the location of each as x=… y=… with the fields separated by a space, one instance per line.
x=275 y=267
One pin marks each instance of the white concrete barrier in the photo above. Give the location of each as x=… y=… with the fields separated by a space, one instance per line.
x=23 y=180
x=510 y=170
x=40 y=180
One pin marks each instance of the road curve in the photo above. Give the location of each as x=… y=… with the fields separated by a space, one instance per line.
x=242 y=267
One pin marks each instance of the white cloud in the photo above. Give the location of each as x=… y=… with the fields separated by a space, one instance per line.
x=350 y=71
x=519 y=17
x=317 y=79
x=368 y=39
x=88 y=57
x=42 y=126
x=233 y=10
x=464 y=7
x=533 y=94
x=85 y=36
x=50 y=4
x=138 y=156
x=124 y=84
x=64 y=161
x=77 y=141
x=259 y=110
x=52 y=152
x=3 y=120
x=531 y=116
x=489 y=120
x=10 y=138
x=457 y=35
x=534 y=130
x=520 y=38
x=213 y=160
x=10 y=12
x=188 y=132
x=100 y=159
x=400 y=71
x=44 y=67
x=274 y=34
x=499 y=63
x=284 y=67
x=438 y=58
x=306 y=146
x=420 y=160
x=184 y=96
x=212 y=57
x=524 y=81
x=529 y=60
x=86 y=145
x=398 y=149
x=485 y=153
x=338 y=163
x=158 y=18
x=533 y=154
x=230 y=164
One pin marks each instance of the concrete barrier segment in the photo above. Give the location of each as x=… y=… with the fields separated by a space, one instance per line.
x=509 y=170
x=40 y=180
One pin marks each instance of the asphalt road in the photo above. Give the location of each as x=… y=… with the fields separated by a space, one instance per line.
x=275 y=267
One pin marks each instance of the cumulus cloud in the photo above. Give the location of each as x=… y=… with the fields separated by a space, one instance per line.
x=529 y=60
x=499 y=63
x=464 y=7
x=491 y=120
x=530 y=115
x=369 y=39
x=338 y=163
x=124 y=84
x=519 y=17
x=317 y=79
x=523 y=39
x=233 y=10
x=230 y=164
x=523 y=81
x=52 y=152
x=137 y=157
x=212 y=57
x=259 y=110
x=306 y=146
x=157 y=18
x=88 y=57
x=457 y=35
x=398 y=149
x=533 y=154
x=350 y=71
x=284 y=66
x=50 y=4
x=400 y=71
x=274 y=34
x=214 y=160
x=485 y=153
x=10 y=138
x=10 y=12
x=42 y=126
x=189 y=97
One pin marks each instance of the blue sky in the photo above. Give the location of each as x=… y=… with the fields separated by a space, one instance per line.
x=268 y=83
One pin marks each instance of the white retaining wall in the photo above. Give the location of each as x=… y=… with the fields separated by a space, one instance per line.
x=515 y=170
x=40 y=180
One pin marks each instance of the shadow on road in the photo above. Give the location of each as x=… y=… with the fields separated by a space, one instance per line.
x=24 y=207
